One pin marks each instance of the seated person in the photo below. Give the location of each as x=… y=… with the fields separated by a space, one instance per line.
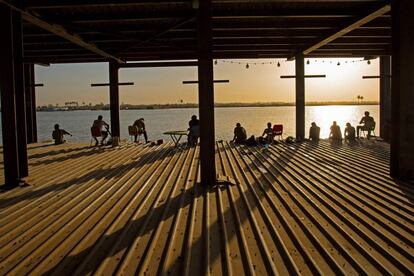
x=349 y=133
x=368 y=124
x=267 y=135
x=314 y=132
x=194 y=131
x=240 y=135
x=99 y=124
x=335 y=133
x=140 y=124
x=58 y=133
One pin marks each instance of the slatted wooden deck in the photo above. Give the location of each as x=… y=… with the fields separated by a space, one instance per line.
x=299 y=209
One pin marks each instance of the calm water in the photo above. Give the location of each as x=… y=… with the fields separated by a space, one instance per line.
x=254 y=120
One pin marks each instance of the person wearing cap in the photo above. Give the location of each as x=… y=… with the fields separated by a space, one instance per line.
x=140 y=124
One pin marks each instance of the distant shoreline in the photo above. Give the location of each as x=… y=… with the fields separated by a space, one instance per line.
x=194 y=105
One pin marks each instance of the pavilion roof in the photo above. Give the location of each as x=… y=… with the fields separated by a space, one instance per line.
x=167 y=29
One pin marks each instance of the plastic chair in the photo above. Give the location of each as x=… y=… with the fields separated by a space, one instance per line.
x=278 y=131
x=372 y=130
x=95 y=133
x=133 y=131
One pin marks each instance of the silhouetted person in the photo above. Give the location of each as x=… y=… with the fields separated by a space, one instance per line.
x=194 y=131
x=267 y=135
x=58 y=134
x=140 y=124
x=335 y=133
x=314 y=132
x=103 y=127
x=349 y=132
x=240 y=135
x=368 y=124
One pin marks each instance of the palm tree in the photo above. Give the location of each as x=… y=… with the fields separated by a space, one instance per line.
x=359 y=98
x=362 y=98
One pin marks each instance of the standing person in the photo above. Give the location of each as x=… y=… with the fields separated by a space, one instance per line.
x=267 y=135
x=349 y=132
x=314 y=132
x=140 y=124
x=240 y=135
x=58 y=134
x=336 y=133
x=368 y=124
x=103 y=127
x=194 y=131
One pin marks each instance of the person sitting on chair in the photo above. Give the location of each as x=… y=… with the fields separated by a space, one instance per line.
x=58 y=133
x=314 y=132
x=267 y=135
x=194 y=131
x=349 y=132
x=140 y=124
x=368 y=124
x=240 y=135
x=335 y=133
x=100 y=124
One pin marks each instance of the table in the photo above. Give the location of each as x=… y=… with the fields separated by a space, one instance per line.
x=176 y=136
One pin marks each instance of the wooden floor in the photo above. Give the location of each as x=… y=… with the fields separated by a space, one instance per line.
x=299 y=209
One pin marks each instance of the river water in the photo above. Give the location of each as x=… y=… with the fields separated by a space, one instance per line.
x=253 y=119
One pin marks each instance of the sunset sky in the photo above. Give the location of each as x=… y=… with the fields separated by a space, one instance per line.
x=259 y=83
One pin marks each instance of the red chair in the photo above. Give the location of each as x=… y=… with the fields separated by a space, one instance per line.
x=278 y=131
x=95 y=133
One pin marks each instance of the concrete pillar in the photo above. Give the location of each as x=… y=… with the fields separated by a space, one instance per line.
x=114 y=98
x=206 y=94
x=385 y=98
x=8 y=104
x=20 y=94
x=300 y=96
x=402 y=99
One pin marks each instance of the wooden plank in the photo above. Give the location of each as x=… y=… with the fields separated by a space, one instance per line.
x=108 y=84
x=158 y=64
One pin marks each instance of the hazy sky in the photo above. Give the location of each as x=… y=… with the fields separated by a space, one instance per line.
x=259 y=83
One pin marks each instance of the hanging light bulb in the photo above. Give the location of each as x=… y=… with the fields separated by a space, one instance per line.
x=308 y=62
x=247 y=66
x=278 y=64
x=339 y=63
x=369 y=62
x=215 y=62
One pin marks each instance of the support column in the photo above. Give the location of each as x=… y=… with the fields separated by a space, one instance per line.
x=20 y=94
x=206 y=94
x=28 y=96
x=402 y=99
x=114 y=98
x=300 y=96
x=33 y=93
x=385 y=98
x=8 y=104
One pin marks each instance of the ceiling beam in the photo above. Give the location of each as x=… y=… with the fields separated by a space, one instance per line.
x=341 y=32
x=62 y=32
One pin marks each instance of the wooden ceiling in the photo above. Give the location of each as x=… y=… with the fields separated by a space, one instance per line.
x=166 y=30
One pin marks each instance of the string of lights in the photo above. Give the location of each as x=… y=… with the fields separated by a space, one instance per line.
x=278 y=63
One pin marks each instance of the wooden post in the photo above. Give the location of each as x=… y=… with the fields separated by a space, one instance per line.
x=206 y=94
x=20 y=94
x=385 y=98
x=300 y=96
x=8 y=104
x=402 y=99
x=28 y=96
x=114 y=98
x=34 y=113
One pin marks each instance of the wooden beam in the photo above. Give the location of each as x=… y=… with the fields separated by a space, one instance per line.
x=341 y=32
x=62 y=32
x=108 y=84
x=376 y=77
x=307 y=76
x=158 y=64
x=216 y=81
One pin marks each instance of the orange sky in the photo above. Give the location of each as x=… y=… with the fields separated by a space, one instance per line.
x=259 y=83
